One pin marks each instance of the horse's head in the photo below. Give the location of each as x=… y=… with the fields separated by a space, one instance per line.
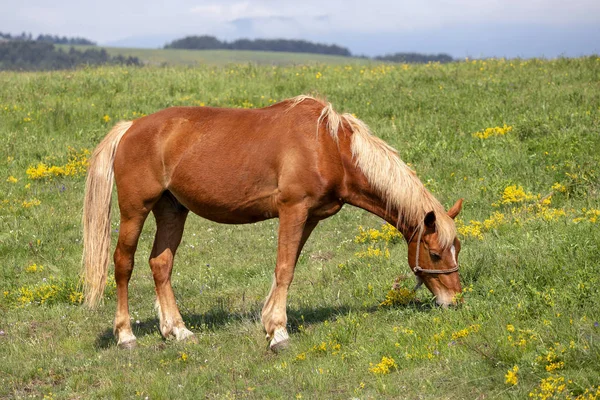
x=435 y=265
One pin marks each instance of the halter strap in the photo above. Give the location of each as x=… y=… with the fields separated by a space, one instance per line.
x=417 y=268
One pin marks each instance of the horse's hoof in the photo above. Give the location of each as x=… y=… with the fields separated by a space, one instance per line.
x=192 y=339
x=128 y=345
x=184 y=335
x=280 y=341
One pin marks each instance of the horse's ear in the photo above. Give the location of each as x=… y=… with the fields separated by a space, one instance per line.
x=430 y=220
x=453 y=212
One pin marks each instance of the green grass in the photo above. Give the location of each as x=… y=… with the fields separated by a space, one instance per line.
x=222 y=57
x=531 y=281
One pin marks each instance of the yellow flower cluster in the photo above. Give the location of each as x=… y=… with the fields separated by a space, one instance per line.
x=548 y=213
x=511 y=377
x=591 y=215
x=559 y=187
x=552 y=358
x=592 y=393
x=497 y=131
x=514 y=194
x=76 y=165
x=534 y=207
x=549 y=388
x=12 y=179
x=373 y=252
x=378 y=240
x=31 y=203
x=34 y=268
x=387 y=365
x=43 y=293
x=555 y=387
x=400 y=296
x=387 y=234
x=465 y=332
x=475 y=229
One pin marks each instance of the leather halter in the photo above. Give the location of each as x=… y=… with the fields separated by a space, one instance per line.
x=417 y=268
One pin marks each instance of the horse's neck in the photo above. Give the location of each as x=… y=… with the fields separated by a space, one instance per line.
x=358 y=192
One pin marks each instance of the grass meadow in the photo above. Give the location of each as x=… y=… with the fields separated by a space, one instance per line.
x=519 y=140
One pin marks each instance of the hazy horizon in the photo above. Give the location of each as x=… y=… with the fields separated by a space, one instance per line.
x=509 y=28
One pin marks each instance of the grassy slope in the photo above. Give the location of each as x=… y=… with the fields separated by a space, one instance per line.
x=535 y=272
x=221 y=57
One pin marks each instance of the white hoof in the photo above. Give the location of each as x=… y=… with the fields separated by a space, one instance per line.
x=126 y=341
x=280 y=340
x=183 y=334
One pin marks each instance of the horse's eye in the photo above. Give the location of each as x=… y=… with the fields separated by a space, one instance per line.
x=434 y=256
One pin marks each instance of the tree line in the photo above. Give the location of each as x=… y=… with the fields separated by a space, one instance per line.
x=207 y=42
x=48 y=38
x=292 y=46
x=415 y=58
x=26 y=55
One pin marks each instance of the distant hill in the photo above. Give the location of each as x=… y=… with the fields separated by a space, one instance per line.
x=224 y=57
x=284 y=45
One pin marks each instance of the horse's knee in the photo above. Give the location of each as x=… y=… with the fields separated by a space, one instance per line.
x=123 y=263
x=161 y=266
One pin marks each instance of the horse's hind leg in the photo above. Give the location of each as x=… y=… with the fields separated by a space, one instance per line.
x=170 y=219
x=129 y=233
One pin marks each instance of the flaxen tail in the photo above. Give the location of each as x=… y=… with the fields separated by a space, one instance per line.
x=96 y=215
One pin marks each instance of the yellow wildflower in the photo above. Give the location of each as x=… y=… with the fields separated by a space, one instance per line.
x=511 y=377
x=31 y=203
x=386 y=365
x=34 y=268
x=559 y=187
x=497 y=131
x=400 y=296
x=514 y=194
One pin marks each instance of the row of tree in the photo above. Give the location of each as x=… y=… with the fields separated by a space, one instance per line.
x=48 y=38
x=293 y=46
x=25 y=55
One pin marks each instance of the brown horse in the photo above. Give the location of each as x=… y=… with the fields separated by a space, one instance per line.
x=297 y=160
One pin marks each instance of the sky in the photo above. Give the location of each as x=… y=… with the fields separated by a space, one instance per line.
x=461 y=28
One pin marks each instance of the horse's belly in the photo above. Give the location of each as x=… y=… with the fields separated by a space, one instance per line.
x=227 y=208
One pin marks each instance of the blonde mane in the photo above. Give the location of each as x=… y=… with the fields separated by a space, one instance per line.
x=396 y=183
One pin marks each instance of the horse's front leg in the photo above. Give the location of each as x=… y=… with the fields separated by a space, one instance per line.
x=294 y=230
